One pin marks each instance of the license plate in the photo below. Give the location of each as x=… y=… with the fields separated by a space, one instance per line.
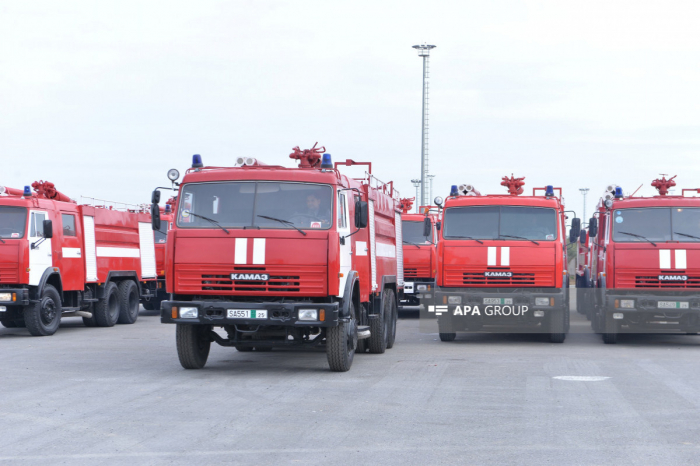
x=673 y=305
x=246 y=314
x=498 y=300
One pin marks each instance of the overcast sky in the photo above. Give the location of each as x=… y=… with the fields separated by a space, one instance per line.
x=102 y=98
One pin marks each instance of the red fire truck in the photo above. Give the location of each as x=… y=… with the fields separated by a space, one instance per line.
x=646 y=262
x=419 y=251
x=60 y=259
x=281 y=257
x=502 y=262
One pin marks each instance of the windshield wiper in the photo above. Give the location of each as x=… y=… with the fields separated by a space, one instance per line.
x=519 y=237
x=685 y=234
x=3 y=241
x=212 y=221
x=286 y=222
x=412 y=244
x=638 y=236
x=467 y=237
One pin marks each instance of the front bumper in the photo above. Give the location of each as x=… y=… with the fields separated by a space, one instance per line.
x=519 y=307
x=670 y=304
x=417 y=289
x=278 y=314
x=21 y=297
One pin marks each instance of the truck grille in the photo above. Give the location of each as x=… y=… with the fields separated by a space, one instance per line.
x=522 y=276
x=650 y=279
x=9 y=274
x=284 y=280
x=416 y=272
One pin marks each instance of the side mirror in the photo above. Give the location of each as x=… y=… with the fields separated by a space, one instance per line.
x=583 y=238
x=155 y=215
x=48 y=229
x=155 y=197
x=438 y=225
x=361 y=214
x=575 y=231
x=427 y=227
x=593 y=227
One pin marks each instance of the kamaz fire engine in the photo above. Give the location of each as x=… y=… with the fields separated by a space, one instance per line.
x=646 y=262
x=60 y=259
x=502 y=262
x=419 y=251
x=281 y=257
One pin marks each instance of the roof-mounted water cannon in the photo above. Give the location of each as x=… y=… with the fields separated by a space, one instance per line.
x=406 y=204
x=662 y=184
x=197 y=161
x=468 y=190
x=308 y=158
x=514 y=185
x=47 y=190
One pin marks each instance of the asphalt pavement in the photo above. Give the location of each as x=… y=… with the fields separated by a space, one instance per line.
x=119 y=396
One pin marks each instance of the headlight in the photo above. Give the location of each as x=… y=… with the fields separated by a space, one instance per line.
x=541 y=301
x=454 y=300
x=422 y=287
x=308 y=314
x=608 y=203
x=5 y=296
x=627 y=303
x=189 y=313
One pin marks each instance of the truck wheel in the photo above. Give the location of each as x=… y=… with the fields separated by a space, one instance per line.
x=107 y=309
x=611 y=330
x=557 y=327
x=44 y=317
x=341 y=342
x=193 y=345
x=128 y=302
x=379 y=328
x=392 y=322
x=448 y=336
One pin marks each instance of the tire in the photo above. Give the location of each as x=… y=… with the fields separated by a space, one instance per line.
x=107 y=309
x=610 y=330
x=379 y=328
x=193 y=345
x=392 y=322
x=448 y=336
x=128 y=302
x=44 y=317
x=341 y=342
x=557 y=327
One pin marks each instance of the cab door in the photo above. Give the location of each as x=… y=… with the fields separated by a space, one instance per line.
x=39 y=247
x=71 y=253
x=345 y=244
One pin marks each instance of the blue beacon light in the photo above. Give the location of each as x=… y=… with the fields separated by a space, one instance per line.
x=454 y=191
x=197 y=161
x=326 y=162
x=618 y=192
x=167 y=208
x=549 y=191
x=27 y=191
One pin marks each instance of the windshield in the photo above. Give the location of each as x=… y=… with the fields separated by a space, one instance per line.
x=264 y=204
x=500 y=222
x=13 y=222
x=656 y=224
x=413 y=233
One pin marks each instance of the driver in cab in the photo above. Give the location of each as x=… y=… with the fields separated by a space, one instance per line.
x=315 y=215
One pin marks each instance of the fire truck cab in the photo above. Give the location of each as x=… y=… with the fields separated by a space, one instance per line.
x=502 y=262
x=282 y=257
x=646 y=262
x=60 y=259
x=419 y=251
